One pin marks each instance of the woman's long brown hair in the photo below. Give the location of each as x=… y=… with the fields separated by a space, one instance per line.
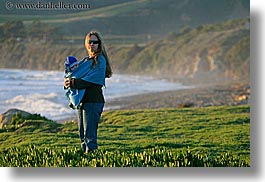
x=101 y=49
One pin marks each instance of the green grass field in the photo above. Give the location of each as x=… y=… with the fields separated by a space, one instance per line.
x=211 y=136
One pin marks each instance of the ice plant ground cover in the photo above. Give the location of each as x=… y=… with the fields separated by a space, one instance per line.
x=210 y=136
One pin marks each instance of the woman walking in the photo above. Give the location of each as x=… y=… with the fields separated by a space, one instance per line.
x=95 y=68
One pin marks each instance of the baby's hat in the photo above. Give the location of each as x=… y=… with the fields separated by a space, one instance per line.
x=70 y=62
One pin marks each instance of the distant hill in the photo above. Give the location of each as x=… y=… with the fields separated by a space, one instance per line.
x=206 y=53
x=134 y=17
x=202 y=40
x=150 y=17
x=214 y=52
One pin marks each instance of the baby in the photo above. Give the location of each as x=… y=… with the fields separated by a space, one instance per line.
x=71 y=63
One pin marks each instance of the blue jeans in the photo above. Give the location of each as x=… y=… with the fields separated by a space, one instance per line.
x=88 y=119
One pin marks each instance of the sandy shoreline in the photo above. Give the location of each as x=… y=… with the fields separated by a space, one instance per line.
x=201 y=96
x=237 y=93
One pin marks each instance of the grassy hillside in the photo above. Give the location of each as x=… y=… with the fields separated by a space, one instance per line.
x=221 y=133
x=137 y=17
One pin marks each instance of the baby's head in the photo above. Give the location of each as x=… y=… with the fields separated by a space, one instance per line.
x=70 y=63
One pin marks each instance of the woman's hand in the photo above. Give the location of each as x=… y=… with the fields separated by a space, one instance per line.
x=67 y=82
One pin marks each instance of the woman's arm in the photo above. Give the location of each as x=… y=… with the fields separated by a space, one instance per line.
x=80 y=84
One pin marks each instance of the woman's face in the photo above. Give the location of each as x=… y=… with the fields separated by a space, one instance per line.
x=93 y=43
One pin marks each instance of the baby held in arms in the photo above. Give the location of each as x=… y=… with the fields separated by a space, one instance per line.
x=74 y=95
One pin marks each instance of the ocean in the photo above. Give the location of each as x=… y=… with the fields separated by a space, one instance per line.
x=42 y=92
